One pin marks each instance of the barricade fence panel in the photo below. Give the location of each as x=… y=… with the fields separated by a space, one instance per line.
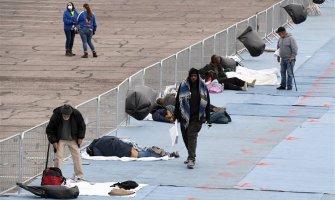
x=136 y=79
x=261 y=24
x=23 y=156
x=183 y=64
x=221 y=43
x=276 y=16
x=196 y=56
x=152 y=77
x=240 y=28
x=269 y=21
x=253 y=22
x=108 y=112
x=208 y=50
x=169 y=71
x=122 y=92
x=89 y=111
x=9 y=162
x=231 y=48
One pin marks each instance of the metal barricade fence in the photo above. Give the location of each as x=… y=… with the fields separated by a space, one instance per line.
x=261 y=24
x=10 y=161
x=34 y=149
x=276 y=16
x=169 y=71
x=221 y=43
x=89 y=111
x=240 y=28
x=136 y=79
x=122 y=91
x=208 y=45
x=183 y=64
x=107 y=112
x=231 y=37
x=252 y=22
x=23 y=156
x=152 y=77
x=269 y=22
x=196 y=56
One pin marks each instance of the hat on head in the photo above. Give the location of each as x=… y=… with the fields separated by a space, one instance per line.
x=193 y=71
x=66 y=109
x=280 y=29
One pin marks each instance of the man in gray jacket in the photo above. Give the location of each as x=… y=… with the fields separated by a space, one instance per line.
x=288 y=50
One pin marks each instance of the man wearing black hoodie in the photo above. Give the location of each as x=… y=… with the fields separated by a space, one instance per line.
x=192 y=105
x=67 y=128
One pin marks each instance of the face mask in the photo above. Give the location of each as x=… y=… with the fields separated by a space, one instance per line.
x=69 y=7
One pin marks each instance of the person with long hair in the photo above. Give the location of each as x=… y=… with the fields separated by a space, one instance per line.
x=87 y=28
x=70 y=20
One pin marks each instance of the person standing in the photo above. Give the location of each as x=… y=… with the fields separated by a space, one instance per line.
x=87 y=29
x=67 y=128
x=192 y=105
x=70 y=20
x=288 y=51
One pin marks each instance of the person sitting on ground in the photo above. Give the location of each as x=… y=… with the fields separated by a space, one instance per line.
x=213 y=70
x=114 y=146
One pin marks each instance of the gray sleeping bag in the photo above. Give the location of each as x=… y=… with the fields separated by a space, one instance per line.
x=52 y=191
x=139 y=101
x=298 y=13
x=252 y=42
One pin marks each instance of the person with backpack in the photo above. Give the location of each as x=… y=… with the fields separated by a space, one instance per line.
x=70 y=20
x=87 y=28
x=67 y=127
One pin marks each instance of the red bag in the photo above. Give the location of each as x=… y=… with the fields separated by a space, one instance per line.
x=52 y=176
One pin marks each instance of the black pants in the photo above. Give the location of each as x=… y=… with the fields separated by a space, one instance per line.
x=69 y=38
x=190 y=137
x=233 y=83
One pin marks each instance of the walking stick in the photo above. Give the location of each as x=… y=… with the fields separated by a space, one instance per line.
x=295 y=84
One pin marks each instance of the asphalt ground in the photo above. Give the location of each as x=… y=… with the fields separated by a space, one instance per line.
x=36 y=77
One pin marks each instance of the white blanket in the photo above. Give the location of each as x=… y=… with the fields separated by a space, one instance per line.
x=84 y=155
x=263 y=77
x=97 y=189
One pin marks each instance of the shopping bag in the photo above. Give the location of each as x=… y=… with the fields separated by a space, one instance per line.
x=174 y=133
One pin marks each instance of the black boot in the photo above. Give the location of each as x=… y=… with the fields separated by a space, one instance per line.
x=95 y=54
x=68 y=53
x=72 y=54
x=85 y=55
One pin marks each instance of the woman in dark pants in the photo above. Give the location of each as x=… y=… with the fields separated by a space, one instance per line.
x=70 y=20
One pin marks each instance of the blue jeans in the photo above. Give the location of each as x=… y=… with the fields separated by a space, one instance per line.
x=86 y=37
x=69 y=38
x=148 y=153
x=286 y=66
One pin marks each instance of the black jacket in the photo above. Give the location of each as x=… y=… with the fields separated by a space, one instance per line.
x=78 y=126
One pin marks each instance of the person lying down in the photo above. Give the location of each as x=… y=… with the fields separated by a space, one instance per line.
x=114 y=146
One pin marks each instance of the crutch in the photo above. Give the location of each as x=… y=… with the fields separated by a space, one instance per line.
x=296 y=89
